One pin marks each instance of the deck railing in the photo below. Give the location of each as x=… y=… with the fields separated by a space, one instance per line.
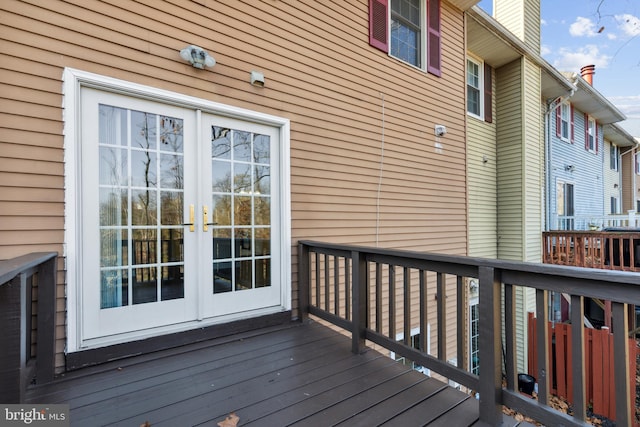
x=610 y=250
x=27 y=322
x=374 y=292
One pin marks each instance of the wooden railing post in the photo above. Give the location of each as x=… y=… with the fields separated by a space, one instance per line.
x=12 y=339
x=46 y=335
x=359 y=301
x=490 y=344
x=304 y=281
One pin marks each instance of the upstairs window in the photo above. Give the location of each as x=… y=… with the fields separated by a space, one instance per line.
x=474 y=91
x=564 y=122
x=614 y=157
x=591 y=134
x=408 y=30
x=479 y=90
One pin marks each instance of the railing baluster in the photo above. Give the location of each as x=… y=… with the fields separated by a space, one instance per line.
x=327 y=283
x=359 y=301
x=378 y=297
x=392 y=302
x=423 y=311
x=318 y=277
x=542 y=342
x=577 y=364
x=442 y=317
x=510 y=337
x=407 y=305
x=463 y=320
x=347 y=289
x=621 y=364
x=336 y=284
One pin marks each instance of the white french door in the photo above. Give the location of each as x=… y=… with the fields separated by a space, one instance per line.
x=180 y=219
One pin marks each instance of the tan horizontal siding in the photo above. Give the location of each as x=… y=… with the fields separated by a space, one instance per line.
x=364 y=168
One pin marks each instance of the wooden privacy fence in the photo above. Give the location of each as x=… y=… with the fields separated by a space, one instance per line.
x=598 y=365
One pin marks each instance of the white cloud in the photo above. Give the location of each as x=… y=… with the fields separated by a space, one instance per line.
x=628 y=24
x=630 y=106
x=571 y=59
x=583 y=27
x=545 y=50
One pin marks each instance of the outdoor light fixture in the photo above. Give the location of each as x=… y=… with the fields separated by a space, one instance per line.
x=257 y=78
x=197 y=56
x=569 y=168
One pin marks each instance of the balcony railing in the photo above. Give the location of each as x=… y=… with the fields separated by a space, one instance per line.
x=610 y=250
x=374 y=292
x=27 y=321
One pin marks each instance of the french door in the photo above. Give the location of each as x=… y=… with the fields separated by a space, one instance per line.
x=179 y=218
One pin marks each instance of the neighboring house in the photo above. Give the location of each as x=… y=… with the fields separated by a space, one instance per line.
x=619 y=173
x=578 y=159
x=175 y=195
x=508 y=86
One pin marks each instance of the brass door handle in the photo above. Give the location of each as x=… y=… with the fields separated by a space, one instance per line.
x=205 y=218
x=192 y=216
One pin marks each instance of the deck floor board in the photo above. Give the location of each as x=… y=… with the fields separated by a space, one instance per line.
x=298 y=375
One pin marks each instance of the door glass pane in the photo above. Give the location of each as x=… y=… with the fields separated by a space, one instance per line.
x=141 y=202
x=241 y=209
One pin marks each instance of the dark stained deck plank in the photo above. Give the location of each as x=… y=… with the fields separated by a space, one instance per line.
x=299 y=374
x=429 y=409
x=400 y=402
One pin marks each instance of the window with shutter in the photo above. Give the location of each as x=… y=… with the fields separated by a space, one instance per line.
x=408 y=30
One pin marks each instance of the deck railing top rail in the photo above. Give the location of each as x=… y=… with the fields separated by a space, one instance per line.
x=373 y=292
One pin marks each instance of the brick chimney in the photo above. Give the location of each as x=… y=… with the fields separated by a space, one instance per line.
x=587 y=73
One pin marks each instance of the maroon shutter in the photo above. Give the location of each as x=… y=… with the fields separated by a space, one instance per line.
x=378 y=24
x=573 y=128
x=559 y=120
x=488 y=94
x=433 y=37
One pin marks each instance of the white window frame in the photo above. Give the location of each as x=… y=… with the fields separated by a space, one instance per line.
x=614 y=157
x=565 y=118
x=422 y=51
x=73 y=81
x=592 y=141
x=473 y=301
x=480 y=88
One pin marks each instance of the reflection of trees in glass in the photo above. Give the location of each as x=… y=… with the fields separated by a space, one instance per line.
x=145 y=139
x=171 y=139
x=220 y=144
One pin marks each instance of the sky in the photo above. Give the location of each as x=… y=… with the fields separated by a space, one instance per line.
x=605 y=33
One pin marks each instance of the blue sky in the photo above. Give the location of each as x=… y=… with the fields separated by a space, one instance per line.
x=601 y=32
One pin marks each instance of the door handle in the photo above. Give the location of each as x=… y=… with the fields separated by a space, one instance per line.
x=205 y=218
x=192 y=217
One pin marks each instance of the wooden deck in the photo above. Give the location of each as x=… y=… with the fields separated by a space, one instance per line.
x=292 y=375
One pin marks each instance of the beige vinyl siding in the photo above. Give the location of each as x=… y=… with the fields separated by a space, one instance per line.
x=533 y=162
x=364 y=168
x=481 y=137
x=509 y=160
x=628 y=177
x=522 y=18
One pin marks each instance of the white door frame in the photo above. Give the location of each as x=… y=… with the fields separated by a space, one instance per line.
x=73 y=82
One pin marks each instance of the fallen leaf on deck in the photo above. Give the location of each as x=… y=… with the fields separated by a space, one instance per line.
x=145 y=424
x=231 y=421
